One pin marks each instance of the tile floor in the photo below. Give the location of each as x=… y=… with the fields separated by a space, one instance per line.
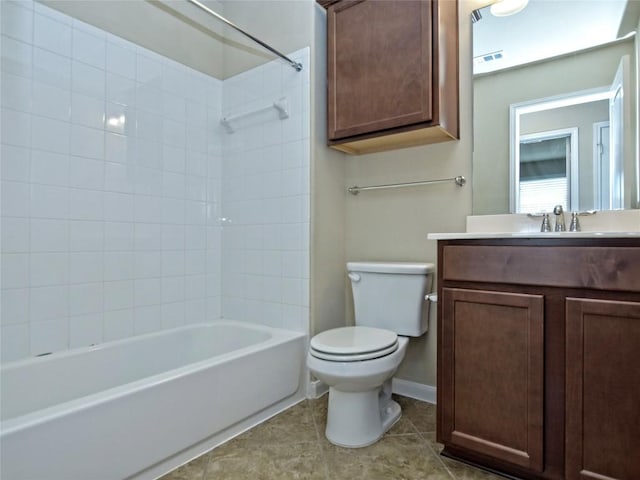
x=292 y=446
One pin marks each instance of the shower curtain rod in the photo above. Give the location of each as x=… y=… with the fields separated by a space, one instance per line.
x=296 y=65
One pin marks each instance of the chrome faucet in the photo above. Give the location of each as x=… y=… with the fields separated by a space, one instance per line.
x=559 y=213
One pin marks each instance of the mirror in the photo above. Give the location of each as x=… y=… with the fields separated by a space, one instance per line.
x=550 y=125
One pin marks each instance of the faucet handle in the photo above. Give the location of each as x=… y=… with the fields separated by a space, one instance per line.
x=546 y=224
x=575 y=224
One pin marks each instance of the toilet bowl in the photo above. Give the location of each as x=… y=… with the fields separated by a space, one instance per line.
x=358 y=363
x=359 y=410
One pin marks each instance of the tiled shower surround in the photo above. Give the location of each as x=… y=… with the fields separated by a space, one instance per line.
x=126 y=208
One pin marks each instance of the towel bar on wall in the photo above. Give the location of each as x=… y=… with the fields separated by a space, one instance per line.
x=459 y=180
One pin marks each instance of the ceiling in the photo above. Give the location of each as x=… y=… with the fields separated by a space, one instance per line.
x=545 y=28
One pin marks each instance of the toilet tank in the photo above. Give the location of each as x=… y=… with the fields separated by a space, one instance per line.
x=391 y=295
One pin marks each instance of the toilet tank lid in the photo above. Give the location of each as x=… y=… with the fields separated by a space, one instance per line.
x=407 y=268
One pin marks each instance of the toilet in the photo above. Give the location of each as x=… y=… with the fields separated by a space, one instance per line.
x=357 y=363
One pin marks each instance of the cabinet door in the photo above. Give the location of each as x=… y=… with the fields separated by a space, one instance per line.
x=379 y=65
x=602 y=390
x=492 y=374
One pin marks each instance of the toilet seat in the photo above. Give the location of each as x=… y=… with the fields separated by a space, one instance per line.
x=352 y=344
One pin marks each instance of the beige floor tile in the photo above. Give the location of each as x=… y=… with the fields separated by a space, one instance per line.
x=399 y=457
x=421 y=414
x=292 y=446
x=241 y=461
x=194 y=470
x=294 y=425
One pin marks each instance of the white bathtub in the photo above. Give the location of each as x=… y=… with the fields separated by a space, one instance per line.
x=138 y=407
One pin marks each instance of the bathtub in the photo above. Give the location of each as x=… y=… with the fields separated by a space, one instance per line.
x=137 y=408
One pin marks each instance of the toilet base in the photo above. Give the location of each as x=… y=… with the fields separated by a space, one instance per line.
x=359 y=419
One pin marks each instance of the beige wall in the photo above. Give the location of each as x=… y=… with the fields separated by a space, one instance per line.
x=393 y=224
x=494 y=93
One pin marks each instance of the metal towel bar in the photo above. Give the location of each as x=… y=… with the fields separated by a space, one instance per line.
x=460 y=181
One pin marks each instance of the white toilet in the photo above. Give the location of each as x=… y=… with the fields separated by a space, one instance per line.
x=357 y=363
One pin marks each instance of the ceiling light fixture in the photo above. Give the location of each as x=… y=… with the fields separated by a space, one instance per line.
x=503 y=8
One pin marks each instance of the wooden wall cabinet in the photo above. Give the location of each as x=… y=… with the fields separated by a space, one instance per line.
x=539 y=356
x=392 y=73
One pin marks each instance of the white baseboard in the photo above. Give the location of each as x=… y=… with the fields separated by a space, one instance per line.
x=315 y=389
x=419 y=391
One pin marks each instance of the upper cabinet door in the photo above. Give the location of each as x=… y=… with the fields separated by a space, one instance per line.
x=380 y=69
x=392 y=73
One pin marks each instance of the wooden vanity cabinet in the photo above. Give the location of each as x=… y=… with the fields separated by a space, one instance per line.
x=539 y=356
x=392 y=73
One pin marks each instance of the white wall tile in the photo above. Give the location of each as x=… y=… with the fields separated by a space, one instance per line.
x=14 y=306
x=118 y=207
x=16 y=21
x=148 y=70
x=86 y=204
x=50 y=135
x=119 y=148
x=51 y=68
x=14 y=235
x=14 y=270
x=89 y=48
x=15 y=199
x=50 y=101
x=49 y=168
x=86 y=236
x=173 y=314
x=120 y=60
x=49 y=201
x=15 y=128
x=85 y=298
x=85 y=330
x=87 y=142
x=47 y=269
x=118 y=266
x=88 y=79
x=147 y=236
x=49 y=336
x=14 y=342
x=16 y=57
x=118 y=324
x=148 y=264
x=147 y=319
x=118 y=295
x=86 y=267
x=15 y=163
x=147 y=291
x=49 y=235
x=86 y=173
x=52 y=35
x=118 y=236
x=120 y=89
x=15 y=92
x=49 y=303
x=172 y=289
x=87 y=111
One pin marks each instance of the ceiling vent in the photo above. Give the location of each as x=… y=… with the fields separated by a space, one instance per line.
x=488 y=57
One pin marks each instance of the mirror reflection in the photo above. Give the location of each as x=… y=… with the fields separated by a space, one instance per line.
x=554 y=109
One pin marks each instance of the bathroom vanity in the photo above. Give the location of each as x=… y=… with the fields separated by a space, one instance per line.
x=539 y=354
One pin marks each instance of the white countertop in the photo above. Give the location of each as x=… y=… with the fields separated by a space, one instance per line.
x=606 y=224
x=554 y=235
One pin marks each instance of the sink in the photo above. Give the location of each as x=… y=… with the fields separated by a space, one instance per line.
x=610 y=221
